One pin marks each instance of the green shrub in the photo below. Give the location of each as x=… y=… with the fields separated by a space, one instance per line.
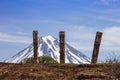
x=28 y=60
x=46 y=59
x=41 y=59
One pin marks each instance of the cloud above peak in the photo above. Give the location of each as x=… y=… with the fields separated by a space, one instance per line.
x=109 y=1
x=4 y=37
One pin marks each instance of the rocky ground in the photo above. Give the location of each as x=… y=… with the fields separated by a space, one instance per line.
x=55 y=72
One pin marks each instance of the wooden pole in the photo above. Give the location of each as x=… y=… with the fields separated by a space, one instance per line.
x=35 y=46
x=62 y=46
x=96 y=47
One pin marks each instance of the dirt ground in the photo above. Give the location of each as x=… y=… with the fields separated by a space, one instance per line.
x=53 y=72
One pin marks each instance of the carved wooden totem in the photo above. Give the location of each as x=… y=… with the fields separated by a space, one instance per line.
x=96 y=47
x=35 y=46
x=62 y=46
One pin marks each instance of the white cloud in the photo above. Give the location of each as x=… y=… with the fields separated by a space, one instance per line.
x=14 y=38
x=51 y=21
x=83 y=38
x=78 y=32
x=21 y=33
x=104 y=1
x=109 y=1
x=111 y=19
x=80 y=37
x=111 y=15
x=112 y=36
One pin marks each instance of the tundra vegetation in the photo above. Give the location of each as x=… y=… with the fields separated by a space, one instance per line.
x=49 y=69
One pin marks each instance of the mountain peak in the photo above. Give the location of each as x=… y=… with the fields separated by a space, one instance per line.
x=49 y=46
x=48 y=37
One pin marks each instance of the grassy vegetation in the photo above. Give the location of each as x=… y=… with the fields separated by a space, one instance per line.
x=41 y=59
x=57 y=71
x=114 y=69
x=45 y=70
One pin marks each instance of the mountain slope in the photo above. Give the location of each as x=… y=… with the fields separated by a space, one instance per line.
x=49 y=46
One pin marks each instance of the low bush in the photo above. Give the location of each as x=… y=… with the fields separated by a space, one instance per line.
x=41 y=59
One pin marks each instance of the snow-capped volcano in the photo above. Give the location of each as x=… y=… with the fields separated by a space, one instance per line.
x=49 y=46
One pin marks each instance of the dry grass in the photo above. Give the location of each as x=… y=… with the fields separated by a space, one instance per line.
x=55 y=72
x=114 y=66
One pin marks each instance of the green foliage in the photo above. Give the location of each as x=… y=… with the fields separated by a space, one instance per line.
x=41 y=59
x=28 y=60
x=46 y=59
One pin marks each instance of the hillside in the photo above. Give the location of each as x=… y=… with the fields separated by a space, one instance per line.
x=10 y=71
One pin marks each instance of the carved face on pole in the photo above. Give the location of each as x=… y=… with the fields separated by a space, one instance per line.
x=35 y=46
x=62 y=46
x=96 y=47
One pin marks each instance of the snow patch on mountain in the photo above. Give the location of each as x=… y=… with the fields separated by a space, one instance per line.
x=49 y=46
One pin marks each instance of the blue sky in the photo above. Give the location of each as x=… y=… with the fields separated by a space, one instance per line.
x=80 y=19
